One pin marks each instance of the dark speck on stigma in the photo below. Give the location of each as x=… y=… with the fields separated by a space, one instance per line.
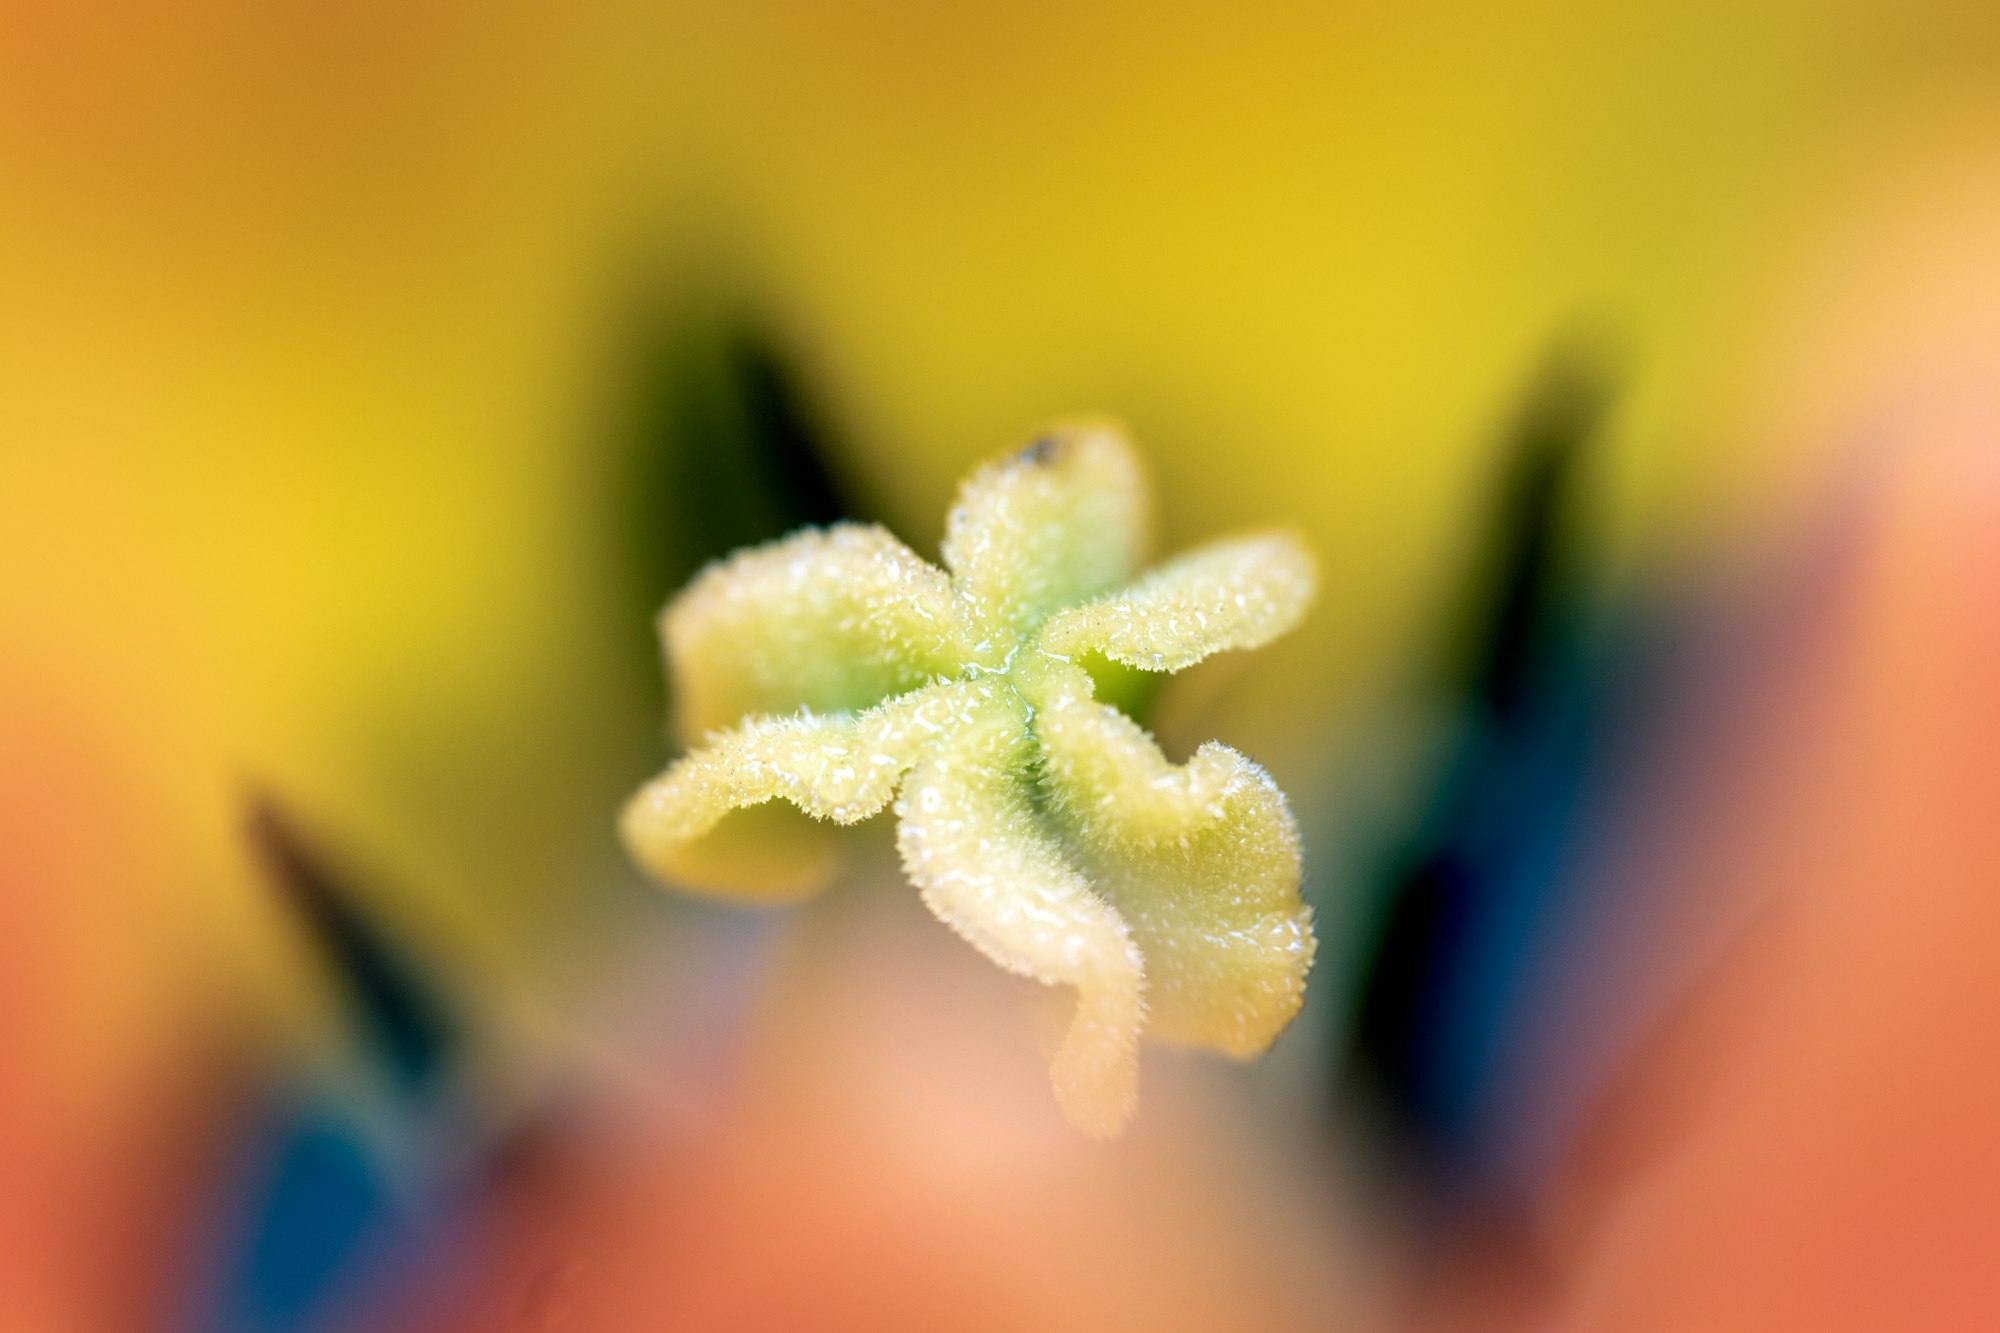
x=1040 y=451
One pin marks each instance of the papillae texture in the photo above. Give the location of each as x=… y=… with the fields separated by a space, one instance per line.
x=839 y=672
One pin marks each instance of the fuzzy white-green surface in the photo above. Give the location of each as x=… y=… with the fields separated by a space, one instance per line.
x=838 y=671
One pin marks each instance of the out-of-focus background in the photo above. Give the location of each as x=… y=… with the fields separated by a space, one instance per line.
x=370 y=373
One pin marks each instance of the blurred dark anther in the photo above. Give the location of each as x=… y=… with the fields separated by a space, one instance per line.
x=722 y=444
x=1517 y=620
x=405 y=1024
x=333 y=1211
x=715 y=441
x=318 y=1212
x=1465 y=899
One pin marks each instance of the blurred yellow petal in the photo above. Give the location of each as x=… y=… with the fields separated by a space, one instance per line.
x=1049 y=525
x=830 y=621
x=1240 y=593
x=973 y=844
x=1201 y=860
